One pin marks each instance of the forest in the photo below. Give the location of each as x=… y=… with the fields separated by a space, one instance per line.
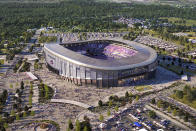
x=78 y=16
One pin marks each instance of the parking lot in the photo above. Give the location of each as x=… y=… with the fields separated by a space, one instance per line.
x=137 y=118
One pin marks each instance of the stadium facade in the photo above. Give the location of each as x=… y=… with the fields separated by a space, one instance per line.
x=136 y=62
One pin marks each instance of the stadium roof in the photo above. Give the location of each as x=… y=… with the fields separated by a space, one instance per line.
x=144 y=56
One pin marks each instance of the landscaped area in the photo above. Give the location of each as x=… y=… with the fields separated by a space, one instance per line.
x=143 y=88
x=42 y=125
x=45 y=93
x=186 y=96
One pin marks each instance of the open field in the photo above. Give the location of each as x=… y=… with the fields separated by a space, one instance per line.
x=180 y=21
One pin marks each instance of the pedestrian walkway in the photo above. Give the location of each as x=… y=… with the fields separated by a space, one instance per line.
x=35 y=95
x=71 y=102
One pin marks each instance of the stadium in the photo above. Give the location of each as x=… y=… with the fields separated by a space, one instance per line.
x=102 y=63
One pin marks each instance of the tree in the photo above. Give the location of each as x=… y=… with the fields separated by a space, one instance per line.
x=11 y=85
x=86 y=119
x=110 y=103
x=6 y=114
x=17 y=117
x=46 y=91
x=153 y=101
x=100 y=103
x=152 y=114
x=26 y=108
x=126 y=94
x=110 y=98
x=159 y=104
x=137 y=98
x=169 y=109
x=17 y=91
x=1 y=119
x=5 y=125
x=108 y=113
x=78 y=126
x=86 y=123
x=85 y=128
x=12 y=113
x=5 y=94
x=116 y=108
x=32 y=113
x=186 y=89
x=130 y=101
x=174 y=112
x=70 y=125
x=24 y=114
x=101 y=118
x=179 y=94
x=115 y=98
x=22 y=85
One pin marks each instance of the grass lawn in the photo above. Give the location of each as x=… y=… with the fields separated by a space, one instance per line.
x=191 y=104
x=4 y=50
x=176 y=21
x=143 y=88
x=1 y=62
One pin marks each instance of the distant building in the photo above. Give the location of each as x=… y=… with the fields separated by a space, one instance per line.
x=184 y=78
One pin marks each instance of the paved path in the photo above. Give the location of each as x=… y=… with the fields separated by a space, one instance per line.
x=35 y=94
x=71 y=102
x=20 y=67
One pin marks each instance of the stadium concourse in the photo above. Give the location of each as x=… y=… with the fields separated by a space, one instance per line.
x=104 y=63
